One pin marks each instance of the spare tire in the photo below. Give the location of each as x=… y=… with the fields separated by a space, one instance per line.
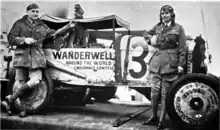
x=193 y=102
x=212 y=76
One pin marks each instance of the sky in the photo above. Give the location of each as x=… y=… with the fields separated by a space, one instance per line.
x=140 y=14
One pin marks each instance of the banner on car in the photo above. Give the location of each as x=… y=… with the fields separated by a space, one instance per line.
x=97 y=64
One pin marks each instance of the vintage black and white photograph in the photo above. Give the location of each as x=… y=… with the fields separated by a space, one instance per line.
x=109 y=65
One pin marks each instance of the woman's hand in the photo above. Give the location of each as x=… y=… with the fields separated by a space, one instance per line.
x=180 y=69
x=147 y=36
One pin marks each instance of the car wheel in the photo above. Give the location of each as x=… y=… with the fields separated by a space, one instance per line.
x=193 y=102
x=38 y=98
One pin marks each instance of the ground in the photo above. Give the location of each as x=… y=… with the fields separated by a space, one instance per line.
x=97 y=116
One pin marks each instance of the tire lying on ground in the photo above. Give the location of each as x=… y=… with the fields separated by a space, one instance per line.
x=103 y=94
x=193 y=102
x=37 y=98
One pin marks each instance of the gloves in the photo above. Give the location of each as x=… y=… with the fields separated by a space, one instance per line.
x=29 y=41
x=180 y=69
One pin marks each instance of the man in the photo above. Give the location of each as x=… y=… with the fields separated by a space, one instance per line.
x=168 y=61
x=28 y=34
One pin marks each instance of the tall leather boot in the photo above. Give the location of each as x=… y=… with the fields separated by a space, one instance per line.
x=11 y=98
x=20 y=92
x=7 y=105
x=23 y=113
x=153 y=120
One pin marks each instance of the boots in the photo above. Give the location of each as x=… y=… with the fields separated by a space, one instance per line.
x=20 y=92
x=160 y=125
x=151 y=121
x=23 y=114
x=9 y=100
x=7 y=104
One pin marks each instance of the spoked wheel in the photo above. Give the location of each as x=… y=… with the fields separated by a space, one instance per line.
x=37 y=98
x=193 y=102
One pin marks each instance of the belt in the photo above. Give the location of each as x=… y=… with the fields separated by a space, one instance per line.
x=166 y=46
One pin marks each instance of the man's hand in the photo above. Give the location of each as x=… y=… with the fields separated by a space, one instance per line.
x=180 y=69
x=29 y=41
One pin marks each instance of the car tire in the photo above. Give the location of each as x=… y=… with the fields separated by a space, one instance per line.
x=213 y=76
x=38 y=98
x=193 y=102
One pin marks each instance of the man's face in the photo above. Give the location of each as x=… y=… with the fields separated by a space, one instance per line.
x=166 y=16
x=33 y=14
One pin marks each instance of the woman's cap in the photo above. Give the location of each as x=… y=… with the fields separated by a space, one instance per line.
x=167 y=8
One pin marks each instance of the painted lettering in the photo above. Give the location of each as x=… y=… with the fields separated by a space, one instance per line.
x=87 y=56
x=183 y=116
x=82 y=55
x=57 y=55
x=102 y=56
x=194 y=90
x=140 y=60
x=77 y=55
x=95 y=55
x=64 y=55
x=70 y=55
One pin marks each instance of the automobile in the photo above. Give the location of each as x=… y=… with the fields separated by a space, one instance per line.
x=97 y=70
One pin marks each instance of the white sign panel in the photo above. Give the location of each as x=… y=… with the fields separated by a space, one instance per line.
x=97 y=64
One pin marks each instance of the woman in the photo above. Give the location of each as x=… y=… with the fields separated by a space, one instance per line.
x=167 y=62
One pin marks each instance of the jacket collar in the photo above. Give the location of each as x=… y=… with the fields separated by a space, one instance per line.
x=28 y=22
x=170 y=26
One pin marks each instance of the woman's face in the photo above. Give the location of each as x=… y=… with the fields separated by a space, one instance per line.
x=166 y=16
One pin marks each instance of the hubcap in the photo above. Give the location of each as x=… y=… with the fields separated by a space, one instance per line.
x=196 y=103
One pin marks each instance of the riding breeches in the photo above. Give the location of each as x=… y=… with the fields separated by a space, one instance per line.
x=32 y=76
x=160 y=83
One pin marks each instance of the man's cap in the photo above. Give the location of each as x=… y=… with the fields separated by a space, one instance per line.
x=32 y=6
